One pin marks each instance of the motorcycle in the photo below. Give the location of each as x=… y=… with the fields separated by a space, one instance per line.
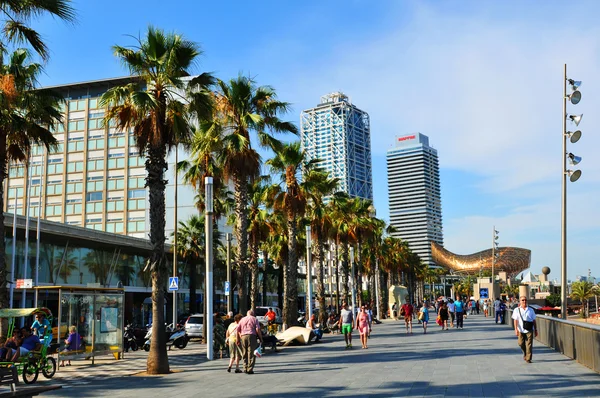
x=175 y=337
x=129 y=339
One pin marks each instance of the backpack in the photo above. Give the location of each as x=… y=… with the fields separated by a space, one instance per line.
x=402 y=311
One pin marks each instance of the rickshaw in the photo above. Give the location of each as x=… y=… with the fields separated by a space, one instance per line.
x=30 y=365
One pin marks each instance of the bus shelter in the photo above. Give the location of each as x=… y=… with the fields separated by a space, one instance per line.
x=95 y=314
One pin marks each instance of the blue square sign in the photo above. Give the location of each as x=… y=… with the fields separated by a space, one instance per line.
x=173 y=283
x=484 y=293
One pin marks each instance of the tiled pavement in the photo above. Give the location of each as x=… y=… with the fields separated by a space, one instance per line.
x=482 y=360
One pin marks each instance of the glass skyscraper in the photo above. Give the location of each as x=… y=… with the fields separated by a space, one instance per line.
x=338 y=133
x=414 y=194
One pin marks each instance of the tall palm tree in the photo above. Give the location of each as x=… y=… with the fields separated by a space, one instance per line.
x=290 y=199
x=258 y=230
x=17 y=15
x=26 y=116
x=241 y=109
x=317 y=186
x=152 y=107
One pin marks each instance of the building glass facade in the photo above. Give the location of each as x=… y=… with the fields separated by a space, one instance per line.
x=338 y=133
x=414 y=194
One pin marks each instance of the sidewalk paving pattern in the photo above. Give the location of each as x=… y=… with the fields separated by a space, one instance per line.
x=482 y=360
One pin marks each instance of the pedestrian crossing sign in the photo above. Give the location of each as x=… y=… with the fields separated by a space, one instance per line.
x=173 y=283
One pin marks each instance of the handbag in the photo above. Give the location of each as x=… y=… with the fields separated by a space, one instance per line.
x=421 y=316
x=402 y=312
x=527 y=325
x=439 y=320
x=258 y=351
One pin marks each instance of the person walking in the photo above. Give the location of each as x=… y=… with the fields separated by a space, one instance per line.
x=525 y=327
x=485 y=307
x=497 y=313
x=451 y=311
x=424 y=316
x=407 y=311
x=235 y=354
x=443 y=314
x=362 y=324
x=346 y=324
x=459 y=306
x=248 y=332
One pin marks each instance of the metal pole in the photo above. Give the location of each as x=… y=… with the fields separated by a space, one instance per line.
x=192 y=305
x=493 y=260
x=330 y=277
x=229 y=272
x=352 y=280
x=377 y=306
x=308 y=273
x=14 y=253
x=563 y=243
x=38 y=233
x=27 y=186
x=208 y=224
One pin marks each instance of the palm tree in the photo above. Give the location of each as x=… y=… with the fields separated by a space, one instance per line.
x=152 y=107
x=317 y=185
x=288 y=161
x=26 y=117
x=243 y=108
x=258 y=231
x=583 y=291
x=16 y=16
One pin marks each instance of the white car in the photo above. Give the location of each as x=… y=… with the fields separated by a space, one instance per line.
x=261 y=312
x=194 y=325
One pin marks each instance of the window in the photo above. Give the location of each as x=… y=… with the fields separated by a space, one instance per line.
x=74 y=187
x=36 y=150
x=95 y=185
x=54 y=189
x=116 y=142
x=93 y=103
x=34 y=191
x=75 y=145
x=94 y=207
x=53 y=210
x=95 y=164
x=94 y=144
x=136 y=193
x=115 y=183
x=76 y=125
x=94 y=196
x=95 y=124
x=73 y=208
x=137 y=182
x=78 y=105
x=115 y=227
x=115 y=205
x=116 y=162
x=36 y=170
x=136 y=204
x=16 y=172
x=55 y=168
x=58 y=148
x=131 y=140
x=74 y=167
x=136 y=161
x=136 y=226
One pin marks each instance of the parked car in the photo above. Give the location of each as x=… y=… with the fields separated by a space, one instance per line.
x=194 y=324
x=260 y=312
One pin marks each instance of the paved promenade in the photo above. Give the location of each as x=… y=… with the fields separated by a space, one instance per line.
x=483 y=360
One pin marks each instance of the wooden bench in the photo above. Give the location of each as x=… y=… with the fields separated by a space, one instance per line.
x=10 y=377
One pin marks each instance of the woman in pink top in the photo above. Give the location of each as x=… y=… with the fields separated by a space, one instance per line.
x=362 y=324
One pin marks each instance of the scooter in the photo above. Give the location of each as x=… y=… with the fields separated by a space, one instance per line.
x=175 y=337
x=129 y=339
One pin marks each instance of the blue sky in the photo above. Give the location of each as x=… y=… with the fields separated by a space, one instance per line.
x=482 y=79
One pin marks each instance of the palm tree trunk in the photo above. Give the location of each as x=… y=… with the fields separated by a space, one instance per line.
x=158 y=361
x=193 y=267
x=337 y=279
x=265 y=275
x=281 y=272
x=290 y=287
x=320 y=284
x=345 y=272
x=358 y=276
x=253 y=271
x=241 y=235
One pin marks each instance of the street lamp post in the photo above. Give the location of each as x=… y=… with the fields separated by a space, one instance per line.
x=494 y=257
x=208 y=295
x=574 y=97
x=353 y=280
x=229 y=272
x=308 y=274
x=192 y=305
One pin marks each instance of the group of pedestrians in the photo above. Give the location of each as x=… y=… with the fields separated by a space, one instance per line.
x=242 y=337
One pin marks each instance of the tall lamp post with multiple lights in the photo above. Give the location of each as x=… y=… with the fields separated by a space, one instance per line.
x=574 y=97
x=495 y=256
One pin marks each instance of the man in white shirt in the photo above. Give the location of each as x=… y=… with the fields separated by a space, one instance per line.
x=525 y=327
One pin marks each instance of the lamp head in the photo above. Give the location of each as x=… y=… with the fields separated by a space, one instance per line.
x=575 y=119
x=574 y=159
x=574 y=83
x=575 y=136
x=575 y=97
x=574 y=175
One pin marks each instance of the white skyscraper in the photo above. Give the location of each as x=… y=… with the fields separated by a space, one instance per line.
x=338 y=133
x=414 y=194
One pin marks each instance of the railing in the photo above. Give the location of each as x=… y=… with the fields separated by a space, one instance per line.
x=577 y=340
